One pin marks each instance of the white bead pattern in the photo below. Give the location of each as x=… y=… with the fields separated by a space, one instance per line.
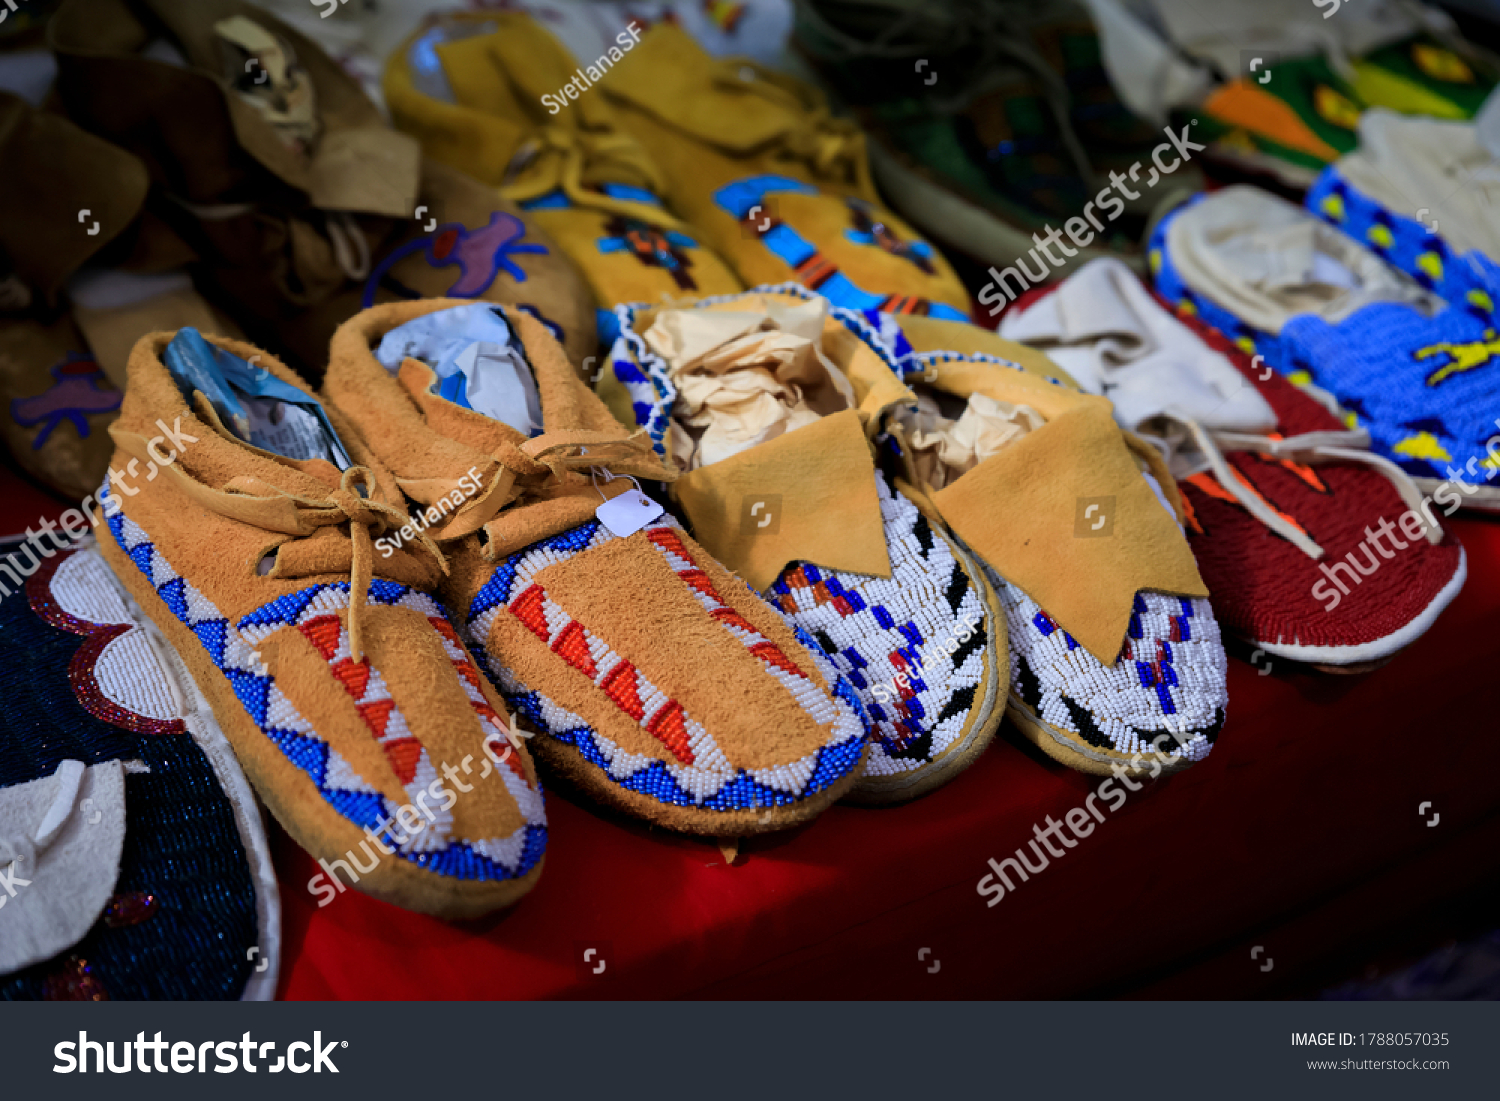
x=913 y=600
x=1129 y=714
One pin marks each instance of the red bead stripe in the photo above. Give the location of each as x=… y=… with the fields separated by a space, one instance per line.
x=323 y=632
x=573 y=646
x=669 y=726
x=528 y=609
x=619 y=685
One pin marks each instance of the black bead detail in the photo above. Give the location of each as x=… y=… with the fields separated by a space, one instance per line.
x=958 y=588
x=1087 y=729
x=1027 y=686
x=961 y=701
x=975 y=642
x=923 y=531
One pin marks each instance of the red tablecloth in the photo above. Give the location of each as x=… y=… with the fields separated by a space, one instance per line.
x=1300 y=835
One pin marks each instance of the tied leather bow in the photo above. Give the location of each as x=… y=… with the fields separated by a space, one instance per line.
x=545 y=468
x=367 y=519
x=253 y=501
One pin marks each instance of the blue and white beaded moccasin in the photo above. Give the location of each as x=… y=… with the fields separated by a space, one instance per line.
x=260 y=547
x=1116 y=660
x=765 y=403
x=1419 y=372
x=1396 y=195
x=922 y=649
x=1167 y=693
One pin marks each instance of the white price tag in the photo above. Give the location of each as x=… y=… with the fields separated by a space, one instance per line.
x=628 y=513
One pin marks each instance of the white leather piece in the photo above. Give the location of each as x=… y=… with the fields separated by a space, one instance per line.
x=60 y=843
x=1147 y=72
x=1266 y=260
x=1104 y=328
x=1224 y=31
x=1114 y=339
x=1436 y=171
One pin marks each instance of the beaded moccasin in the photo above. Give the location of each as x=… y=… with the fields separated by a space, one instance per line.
x=770 y=180
x=241 y=518
x=1127 y=671
x=1287 y=512
x=655 y=681
x=898 y=606
x=468 y=87
x=1412 y=367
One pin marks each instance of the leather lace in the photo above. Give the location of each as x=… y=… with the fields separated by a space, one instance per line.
x=558 y=158
x=252 y=501
x=1307 y=449
x=367 y=519
x=547 y=467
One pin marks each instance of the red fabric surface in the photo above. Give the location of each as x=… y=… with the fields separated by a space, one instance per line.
x=23 y=506
x=1300 y=833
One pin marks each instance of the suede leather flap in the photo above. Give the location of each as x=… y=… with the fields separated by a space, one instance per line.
x=1031 y=386
x=477 y=132
x=52 y=171
x=877 y=387
x=368 y=171
x=100 y=40
x=535 y=63
x=1022 y=511
x=669 y=76
x=816 y=486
